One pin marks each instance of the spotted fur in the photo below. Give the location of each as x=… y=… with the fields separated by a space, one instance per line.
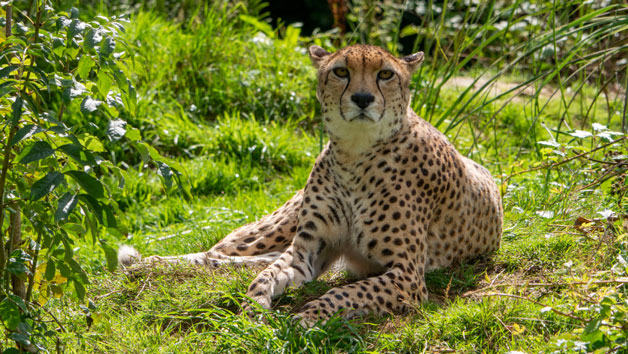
x=389 y=196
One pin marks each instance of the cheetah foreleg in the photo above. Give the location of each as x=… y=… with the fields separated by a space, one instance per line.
x=393 y=291
x=293 y=268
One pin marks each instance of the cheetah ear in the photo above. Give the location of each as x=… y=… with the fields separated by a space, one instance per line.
x=413 y=61
x=317 y=54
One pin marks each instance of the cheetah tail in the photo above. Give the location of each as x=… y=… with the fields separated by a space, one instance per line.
x=127 y=256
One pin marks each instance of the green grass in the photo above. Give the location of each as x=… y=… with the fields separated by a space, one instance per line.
x=232 y=101
x=191 y=310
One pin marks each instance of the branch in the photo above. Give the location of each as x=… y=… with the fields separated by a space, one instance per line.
x=50 y=314
x=554 y=164
x=547 y=285
x=3 y=255
x=540 y=304
x=7 y=149
x=8 y=21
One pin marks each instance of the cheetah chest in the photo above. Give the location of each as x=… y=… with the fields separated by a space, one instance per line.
x=381 y=221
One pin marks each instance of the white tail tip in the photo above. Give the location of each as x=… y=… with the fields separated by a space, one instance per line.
x=128 y=255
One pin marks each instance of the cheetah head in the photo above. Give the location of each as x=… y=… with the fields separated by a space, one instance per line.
x=363 y=85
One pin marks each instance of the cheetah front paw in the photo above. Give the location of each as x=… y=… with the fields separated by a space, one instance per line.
x=308 y=319
x=249 y=307
x=263 y=301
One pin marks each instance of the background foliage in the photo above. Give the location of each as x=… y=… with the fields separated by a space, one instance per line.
x=166 y=124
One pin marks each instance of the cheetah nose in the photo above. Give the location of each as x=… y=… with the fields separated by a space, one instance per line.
x=362 y=99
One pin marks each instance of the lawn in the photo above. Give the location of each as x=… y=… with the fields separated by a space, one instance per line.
x=228 y=101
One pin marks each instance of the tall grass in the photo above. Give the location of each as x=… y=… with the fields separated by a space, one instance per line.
x=221 y=59
x=561 y=46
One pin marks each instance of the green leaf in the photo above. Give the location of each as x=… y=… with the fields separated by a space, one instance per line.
x=104 y=83
x=92 y=38
x=74 y=229
x=16 y=109
x=84 y=66
x=94 y=205
x=11 y=351
x=107 y=47
x=133 y=134
x=79 y=154
x=89 y=105
x=10 y=314
x=36 y=151
x=76 y=27
x=72 y=92
x=80 y=289
x=7 y=87
x=109 y=219
x=25 y=132
x=40 y=74
x=593 y=325
x=64 y=269
x=154 y=154
x=78 y=270
x=593 y=337
x=5 y=71
x=259 y=25
x=143 y=151
x=166 y=172
x=17 y=263
x=49 y=274
x=21 y=338
x=19 y=301
x=90 y=184
x=46 y=185
x=103 y=213
x=111 y=255
x=65 y=206
x=116 y=129
x=92 y=143
x=409 y=31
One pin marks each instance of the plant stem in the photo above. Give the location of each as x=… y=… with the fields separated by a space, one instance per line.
x=8 y=21
x=3 y=255
x=582 y=320
x=7 y=149
x=31 y=277
x=15 y=235
x=563 y=161
x=623 y=118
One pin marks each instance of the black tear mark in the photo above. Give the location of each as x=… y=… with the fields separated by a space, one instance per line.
x=383 y=98
x=343 y=93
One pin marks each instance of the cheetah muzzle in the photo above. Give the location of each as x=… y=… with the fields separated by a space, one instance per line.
x=388 y=195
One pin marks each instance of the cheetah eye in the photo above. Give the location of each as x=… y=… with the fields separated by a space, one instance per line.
x=341 y=72
x=385 y=74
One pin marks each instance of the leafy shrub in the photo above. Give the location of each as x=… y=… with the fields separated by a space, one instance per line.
x=61 y=78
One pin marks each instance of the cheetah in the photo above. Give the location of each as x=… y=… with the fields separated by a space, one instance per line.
x=389 y=197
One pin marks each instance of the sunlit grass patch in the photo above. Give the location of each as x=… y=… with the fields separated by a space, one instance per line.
x=231 y=100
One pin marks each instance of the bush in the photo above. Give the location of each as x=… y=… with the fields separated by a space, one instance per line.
x=61 y=78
